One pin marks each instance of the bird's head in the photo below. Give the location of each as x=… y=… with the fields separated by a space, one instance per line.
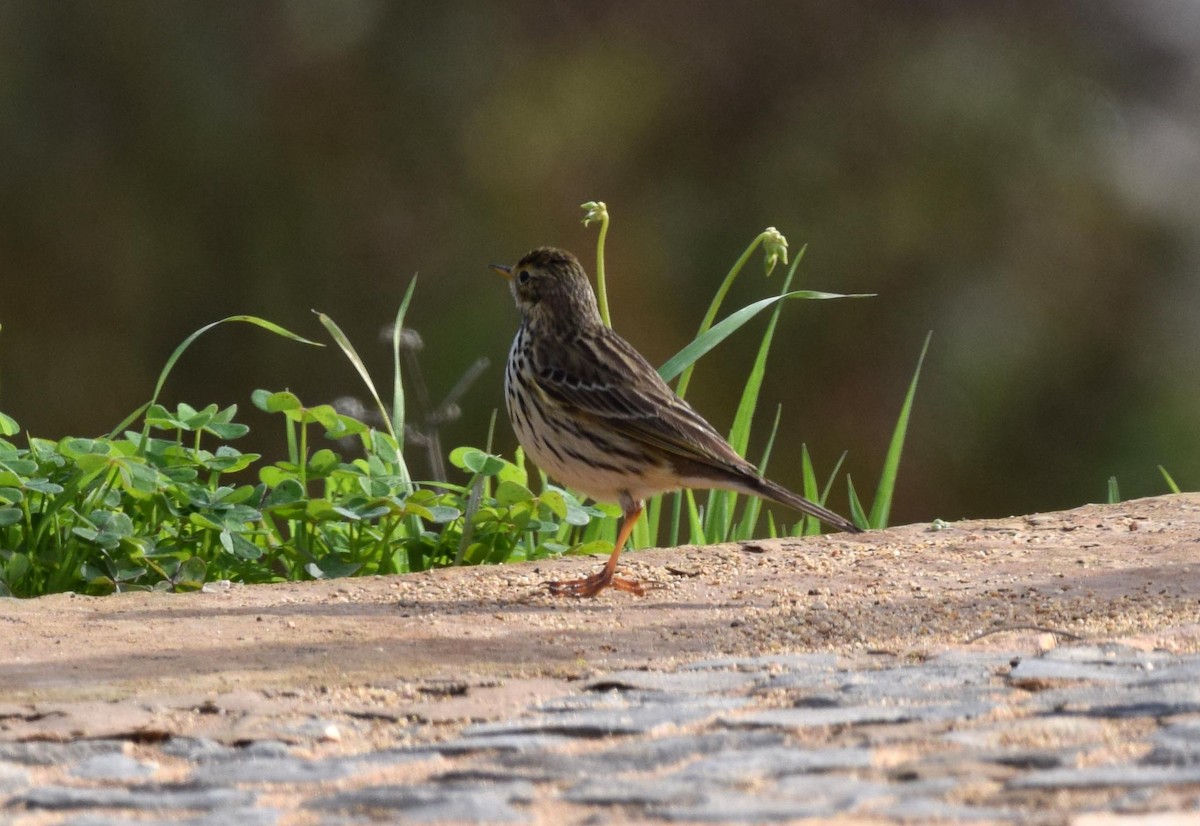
x=550 y=287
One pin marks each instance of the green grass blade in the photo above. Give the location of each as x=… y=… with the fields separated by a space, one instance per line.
x=1114 y=492
x=808 y=474
x=739 y=434
x=468 y=518
x=808 y=526
x=858 y=514
x=882 y=506
x=397 y=417
x=832 y=476
x=187 y=342
x=348 y=349
x=699 y=346
x=721 y=504
x=652 y=519
x=676 y=519
x=491 y=436
x=352 y=354
x=1174 y=488
x=710 y=315
x=695 y=525
x=127 y=421
x=640 y=538
x=718 y=514
x=745 y=528
x=777 y=245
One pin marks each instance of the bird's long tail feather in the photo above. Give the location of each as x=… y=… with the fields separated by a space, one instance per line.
x=780 y=494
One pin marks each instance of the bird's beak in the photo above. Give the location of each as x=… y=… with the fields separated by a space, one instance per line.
x=503 y=270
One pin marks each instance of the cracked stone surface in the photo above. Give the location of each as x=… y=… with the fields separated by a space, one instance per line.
x=1035 y=669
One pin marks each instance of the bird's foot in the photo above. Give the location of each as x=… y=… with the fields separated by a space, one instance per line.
x=592 y=585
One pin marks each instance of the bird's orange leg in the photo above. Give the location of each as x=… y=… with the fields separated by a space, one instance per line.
x=597 y=582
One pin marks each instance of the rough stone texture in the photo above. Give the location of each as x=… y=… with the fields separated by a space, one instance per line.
x=113 y=767
x=53 y=754
x=451 y=802
x=829 y=678
x=271 y=770
x=770 y=763
x=144 y=797
x=1176 y=745
x=12 y=777
x=602 y=717
x=688 y=682
x=226 y=817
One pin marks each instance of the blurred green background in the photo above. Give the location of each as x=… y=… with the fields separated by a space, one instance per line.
x=1020 y=178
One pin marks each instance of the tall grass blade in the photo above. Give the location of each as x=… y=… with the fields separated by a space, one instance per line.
x=722 y=503
x=397 y=417
x=832 y=476
x=129 y=420
x=1114 y=492
x=739 y=434
x=682 y=364
x=710 y=315
x=745 y=527
x=352 y=354
x=640 y=538
x=705 y=342
x=776 y=248
x=807 y=526
x=858 y=514
x=491 y=436
x=695 y=523
x=676 y=518
x=1174 y=488
x=468 y=518
x=808 y=474
x=882 y=506
x=652 y=519
x=187 y=342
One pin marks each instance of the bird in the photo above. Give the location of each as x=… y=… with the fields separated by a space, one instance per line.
x=592 y=413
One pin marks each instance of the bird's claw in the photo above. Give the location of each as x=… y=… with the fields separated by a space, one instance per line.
x=593 y=585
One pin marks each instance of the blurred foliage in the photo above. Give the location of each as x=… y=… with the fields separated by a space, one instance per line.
x=1017 y=177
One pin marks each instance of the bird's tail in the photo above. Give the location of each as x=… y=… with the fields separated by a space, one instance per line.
x=780 y=494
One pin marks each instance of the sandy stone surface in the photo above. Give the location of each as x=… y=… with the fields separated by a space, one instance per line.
x=455 y=646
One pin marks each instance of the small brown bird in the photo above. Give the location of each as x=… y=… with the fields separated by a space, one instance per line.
x=595 y=416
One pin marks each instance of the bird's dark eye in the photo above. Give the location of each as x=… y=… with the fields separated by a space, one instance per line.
x=523 y=277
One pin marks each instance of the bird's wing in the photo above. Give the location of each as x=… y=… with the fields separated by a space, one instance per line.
x=604 y=378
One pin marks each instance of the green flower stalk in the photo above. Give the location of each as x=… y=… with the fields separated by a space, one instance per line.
x=597 y=211
x=775 y=247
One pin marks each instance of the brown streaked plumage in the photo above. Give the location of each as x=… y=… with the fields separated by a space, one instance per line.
x=593 y=413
